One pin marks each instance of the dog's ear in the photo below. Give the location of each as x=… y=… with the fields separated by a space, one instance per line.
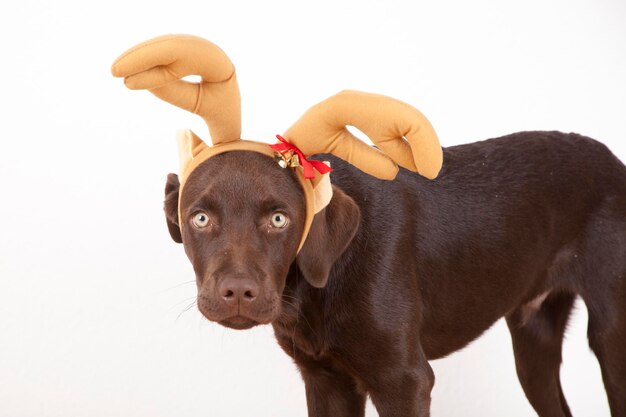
x=170 y=206
x=331 y=232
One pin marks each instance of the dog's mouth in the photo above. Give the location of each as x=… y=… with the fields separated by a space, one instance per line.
x=239 y=317
x=239 y=323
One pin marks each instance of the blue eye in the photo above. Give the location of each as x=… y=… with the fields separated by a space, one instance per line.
x=279 y=220
x=200 y=220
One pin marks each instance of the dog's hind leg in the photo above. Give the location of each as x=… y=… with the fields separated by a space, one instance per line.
x=604 y=292
x=609 y=345
x=537 y=332
x=607 y=339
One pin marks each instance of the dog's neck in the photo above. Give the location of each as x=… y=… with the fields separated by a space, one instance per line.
x=301 y=326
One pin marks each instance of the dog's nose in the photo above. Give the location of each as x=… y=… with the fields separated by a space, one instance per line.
x=233 y=290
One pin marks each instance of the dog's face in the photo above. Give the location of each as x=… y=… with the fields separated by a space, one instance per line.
x=242 y=219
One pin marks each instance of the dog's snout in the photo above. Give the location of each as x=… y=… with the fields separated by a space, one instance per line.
x=235 y=290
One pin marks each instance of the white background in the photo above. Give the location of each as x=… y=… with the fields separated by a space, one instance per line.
x=91 y=286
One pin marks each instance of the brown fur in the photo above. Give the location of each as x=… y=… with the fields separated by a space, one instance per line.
x=396 y=273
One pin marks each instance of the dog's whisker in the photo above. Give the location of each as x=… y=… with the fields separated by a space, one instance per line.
x=293 y=333
x=291 y=296
x=177 y=286
x=184 y=300
x=298 y=314
x=193 y=303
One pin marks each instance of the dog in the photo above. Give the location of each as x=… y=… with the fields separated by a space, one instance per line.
x=367 y=281
x=396 y=273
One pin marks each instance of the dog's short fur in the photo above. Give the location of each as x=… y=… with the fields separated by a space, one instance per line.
x=395 y=273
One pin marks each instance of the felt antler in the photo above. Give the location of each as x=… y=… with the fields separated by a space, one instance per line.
x=403 y=133
x=158 y=66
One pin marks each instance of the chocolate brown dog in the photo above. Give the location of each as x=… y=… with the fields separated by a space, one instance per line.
x=365 y=287
x=394 y=274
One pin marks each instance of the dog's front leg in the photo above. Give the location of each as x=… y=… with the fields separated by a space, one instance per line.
x=331 y=392
x=403 y=390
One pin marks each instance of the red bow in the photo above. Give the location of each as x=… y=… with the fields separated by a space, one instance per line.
x=307 y=166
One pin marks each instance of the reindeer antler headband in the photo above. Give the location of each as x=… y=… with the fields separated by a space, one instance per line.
x=402 y=133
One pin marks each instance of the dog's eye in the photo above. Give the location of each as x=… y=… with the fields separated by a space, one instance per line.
x=279 y=220
x=200 y=220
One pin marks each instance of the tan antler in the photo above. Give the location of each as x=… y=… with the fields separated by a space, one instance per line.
x=158 y=66
x=400 y=131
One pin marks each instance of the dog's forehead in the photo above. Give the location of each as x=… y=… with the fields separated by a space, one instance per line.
x=241 y=176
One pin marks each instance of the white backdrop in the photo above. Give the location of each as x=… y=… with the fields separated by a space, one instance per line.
x=92 y=287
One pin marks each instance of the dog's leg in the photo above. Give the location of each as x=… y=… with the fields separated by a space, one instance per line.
x=537 y=332
x=331 y=392
x=607 y=339
x=404 y=390
x=604 y=292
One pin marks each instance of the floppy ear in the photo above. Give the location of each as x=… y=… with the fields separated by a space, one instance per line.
x=172 y=185
x=331 y=232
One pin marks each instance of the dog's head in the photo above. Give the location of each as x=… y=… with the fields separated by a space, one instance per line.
x=245 y=221
x=241 y=229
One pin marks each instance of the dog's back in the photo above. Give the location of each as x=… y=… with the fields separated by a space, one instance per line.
x=514 y=227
